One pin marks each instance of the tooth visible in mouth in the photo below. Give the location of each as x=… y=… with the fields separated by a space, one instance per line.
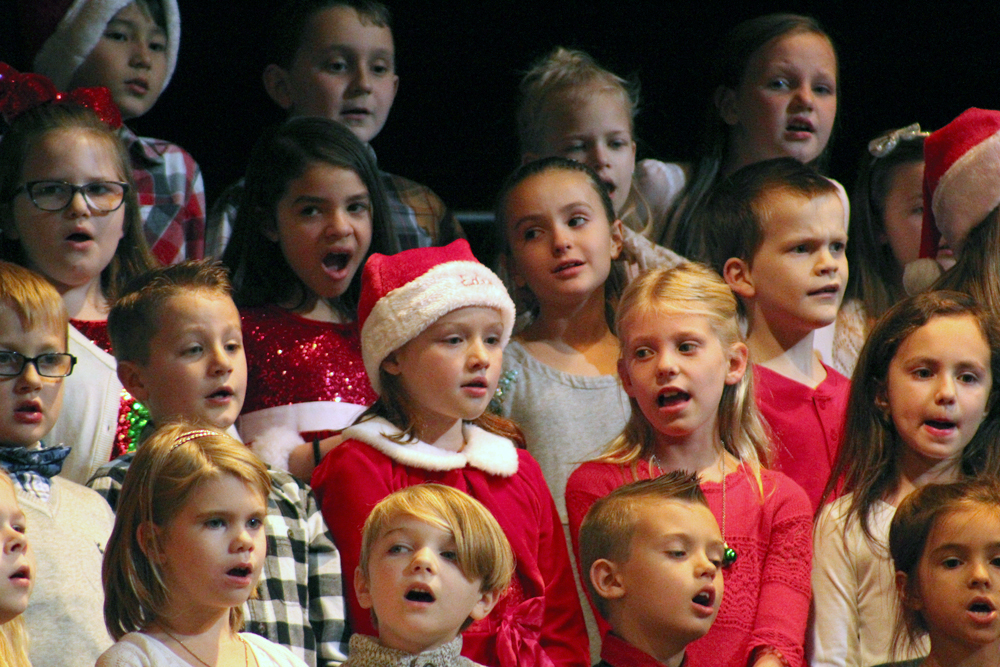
x=703 y=599
x=417 y=595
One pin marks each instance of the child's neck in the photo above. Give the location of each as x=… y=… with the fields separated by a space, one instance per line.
x=916 y=472
x=788 y=354
x=447 y=434
x=85 y=302
x=206 y=637
x=573 y=339
x=947 y=652
x=695 y=455
x=319 y=310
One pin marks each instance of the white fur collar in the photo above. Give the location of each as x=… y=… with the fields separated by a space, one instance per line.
x=493 y=454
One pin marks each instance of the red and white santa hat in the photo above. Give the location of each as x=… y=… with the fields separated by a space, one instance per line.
x=59 y=34
x=961 y=187
x=403 y=294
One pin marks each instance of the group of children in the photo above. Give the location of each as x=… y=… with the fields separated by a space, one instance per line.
x=608 y=429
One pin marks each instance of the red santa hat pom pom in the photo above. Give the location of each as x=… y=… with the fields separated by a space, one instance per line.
x=403 y=294
x=961 y=187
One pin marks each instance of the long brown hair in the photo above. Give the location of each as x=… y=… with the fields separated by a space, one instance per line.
x=868 y=463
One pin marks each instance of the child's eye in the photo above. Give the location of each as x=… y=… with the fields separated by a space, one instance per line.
x=968 y=378
x=574 y=148
x=454 y=339
x=358 y=207
x=398 y=549
x=532 y=233
x=778 y=84
x=824 y=90
x=115 y=35
x=687 y=347
x=310 y=211
x=576 y=221
x=492 y=339
x=215 y=523
x=158 y=47
x=837 y=247
x=801 y=249
x=921 y=373
x=19 y=528
x=450 y=555
x=618 y=144
x=233 y=347
x=951 y=563
x=191 y=350
x=255 y=523
x=642 y=353
x=335 y=66
x=676 y=553
x=381 y=69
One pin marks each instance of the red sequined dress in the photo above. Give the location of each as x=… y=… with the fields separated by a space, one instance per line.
x=305 y=380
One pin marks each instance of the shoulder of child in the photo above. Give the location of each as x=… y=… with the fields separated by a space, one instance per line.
x=137 y=650
x=784 y=495
x=269 y=654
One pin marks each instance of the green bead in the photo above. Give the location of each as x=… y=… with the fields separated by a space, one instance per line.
x=728 y=556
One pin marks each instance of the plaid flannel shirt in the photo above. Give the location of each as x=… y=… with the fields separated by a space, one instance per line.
x=419 y=217
x=300 y=600
x=171 y=197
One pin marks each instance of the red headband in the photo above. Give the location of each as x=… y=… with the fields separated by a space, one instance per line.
x=23 y=92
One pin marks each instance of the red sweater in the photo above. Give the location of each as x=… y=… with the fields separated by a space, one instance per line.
x=766 y=598
x=806 y=425
x=539 y=621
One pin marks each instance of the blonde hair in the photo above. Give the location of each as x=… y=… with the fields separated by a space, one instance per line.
x=32 y=298
x=13 y=633
x=692 y=289
x=483 y=550
x=166 y=471
x=572 y=75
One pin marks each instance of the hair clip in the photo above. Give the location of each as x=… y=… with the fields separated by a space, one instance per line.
x=886 y=144
x=189 y=436
x=20 y=93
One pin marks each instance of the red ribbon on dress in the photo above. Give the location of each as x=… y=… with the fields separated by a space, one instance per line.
x=23 y=92
x=519 y=633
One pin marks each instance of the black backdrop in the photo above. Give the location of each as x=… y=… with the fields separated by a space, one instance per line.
x=460 y=60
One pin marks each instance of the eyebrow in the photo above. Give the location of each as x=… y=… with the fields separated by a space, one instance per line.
x=562 y=209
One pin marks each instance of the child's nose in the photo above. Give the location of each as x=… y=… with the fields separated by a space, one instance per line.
x=141 y=55
x=423 y=560
x=14 y=541
x=945 y=389
x=29 y=379
x=804 y=97
x=478 y=355
x=78 y=206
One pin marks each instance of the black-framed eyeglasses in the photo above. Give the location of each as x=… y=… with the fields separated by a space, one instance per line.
x=101 y=196
x=50 y=365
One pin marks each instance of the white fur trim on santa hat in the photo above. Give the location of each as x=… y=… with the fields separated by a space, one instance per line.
x=493 y=454
x=968 y=191
x=402 y=314
x=79 y=31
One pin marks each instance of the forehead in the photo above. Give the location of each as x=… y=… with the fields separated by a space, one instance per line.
x=201 y=304
x=46 y=323
x=958 y=336
x=406 y=523
x=72 y=148
x=801 y=49
x=137 y=13
x=664 y=319
x=784 y=213
x=552 y=188
x=970 y=524
x=658 y=518
x=341 y=26
x=576 y=105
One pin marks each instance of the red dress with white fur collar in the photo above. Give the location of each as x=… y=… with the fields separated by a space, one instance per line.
x=539 y=621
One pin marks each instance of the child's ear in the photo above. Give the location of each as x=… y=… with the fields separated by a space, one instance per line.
x=737 y=275
x=361 y=589
x=739 y=357
x=624 y=376
x=391 y=365
x=908 y=595
x=485 y=605
x=145 y=535
x=725 y=103
x=617 y=234
x=276 y=84
x=131 y=376
x=607 y=579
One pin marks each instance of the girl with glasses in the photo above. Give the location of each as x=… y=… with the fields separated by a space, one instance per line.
x=68 y=210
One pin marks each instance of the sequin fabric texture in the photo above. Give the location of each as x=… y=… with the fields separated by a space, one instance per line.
x=294 y=360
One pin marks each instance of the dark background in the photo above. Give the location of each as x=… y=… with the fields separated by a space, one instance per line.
x=460 y=61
